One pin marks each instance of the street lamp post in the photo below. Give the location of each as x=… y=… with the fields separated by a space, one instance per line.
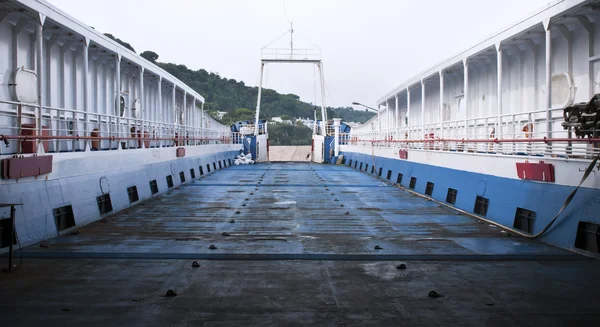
x=375 y=110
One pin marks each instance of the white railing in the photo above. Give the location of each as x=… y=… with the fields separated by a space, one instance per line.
x=68 y=130
x=518 y=133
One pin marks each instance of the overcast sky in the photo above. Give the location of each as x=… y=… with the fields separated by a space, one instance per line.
x=368 y=46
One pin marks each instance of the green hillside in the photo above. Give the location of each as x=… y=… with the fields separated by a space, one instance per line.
x=239 y=100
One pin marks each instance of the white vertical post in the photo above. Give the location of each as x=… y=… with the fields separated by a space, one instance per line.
x=202 y=123
x=40 y=78
x=388 y=114
x=466 y=96
x=422 y=109
x=175 y=113
x=408 y=111
x=256 y=130
x=378 y=122
x=117 y=101
x=323 y=110
x=336 y=144
x=159 y=107
x=441 y=104
x=185 y=118
x=396 y=125
x=145 y=110
x=548 y=77
x=86 y=91
x=589 y=27
x=498 y=133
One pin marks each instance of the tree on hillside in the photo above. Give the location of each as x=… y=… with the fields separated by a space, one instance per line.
x=151 y=56
x=229 y=95
x=121 y=42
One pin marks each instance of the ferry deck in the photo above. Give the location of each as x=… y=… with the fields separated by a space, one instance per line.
x=291 y=244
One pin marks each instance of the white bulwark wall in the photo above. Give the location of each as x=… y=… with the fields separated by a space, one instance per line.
x=526 y=74
x=110 y=119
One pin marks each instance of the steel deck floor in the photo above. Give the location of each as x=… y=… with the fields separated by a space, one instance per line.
x=299 y=250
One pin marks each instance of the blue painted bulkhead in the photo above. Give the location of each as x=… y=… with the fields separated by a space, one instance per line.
x=505 y=195
x=329 y=149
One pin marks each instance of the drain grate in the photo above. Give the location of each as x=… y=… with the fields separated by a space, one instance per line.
x=481 y=205
x=588 y=237
x=153 y=186
x=413 y=183
x=399 y=179
x=104 y=204
x=524 y=220
x=429 y=188
x=451 y=196
x=133 y=194
x=63 y=217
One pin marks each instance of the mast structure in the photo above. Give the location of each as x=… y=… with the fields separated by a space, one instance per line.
x=291 y=56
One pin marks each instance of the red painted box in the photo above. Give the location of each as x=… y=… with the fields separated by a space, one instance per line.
x=403 y=154
x=19 y=167
x=541 y=171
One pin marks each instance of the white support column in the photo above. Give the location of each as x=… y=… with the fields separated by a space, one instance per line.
x=548 y=103
x=408 y=111
x=323 y=109
x=396 y=125
x=159 y=109
x=186 y=118
x=466 y=95
x=378 y=122
x=388 y=118
x=86 y=90
x=422 y=109
x=194 y=125
x=589 y=27
x=116 y=101
x=175 y=113
x=144 y=113
x=256 y=130
x=202 y=122
x=498 y=133
x=48 y=58
x=40 y=78
x=564 y=30
x=336 y=144
x=63 y=75
x=441 y=104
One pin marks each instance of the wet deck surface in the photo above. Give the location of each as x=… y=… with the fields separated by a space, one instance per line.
x=298 y=249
